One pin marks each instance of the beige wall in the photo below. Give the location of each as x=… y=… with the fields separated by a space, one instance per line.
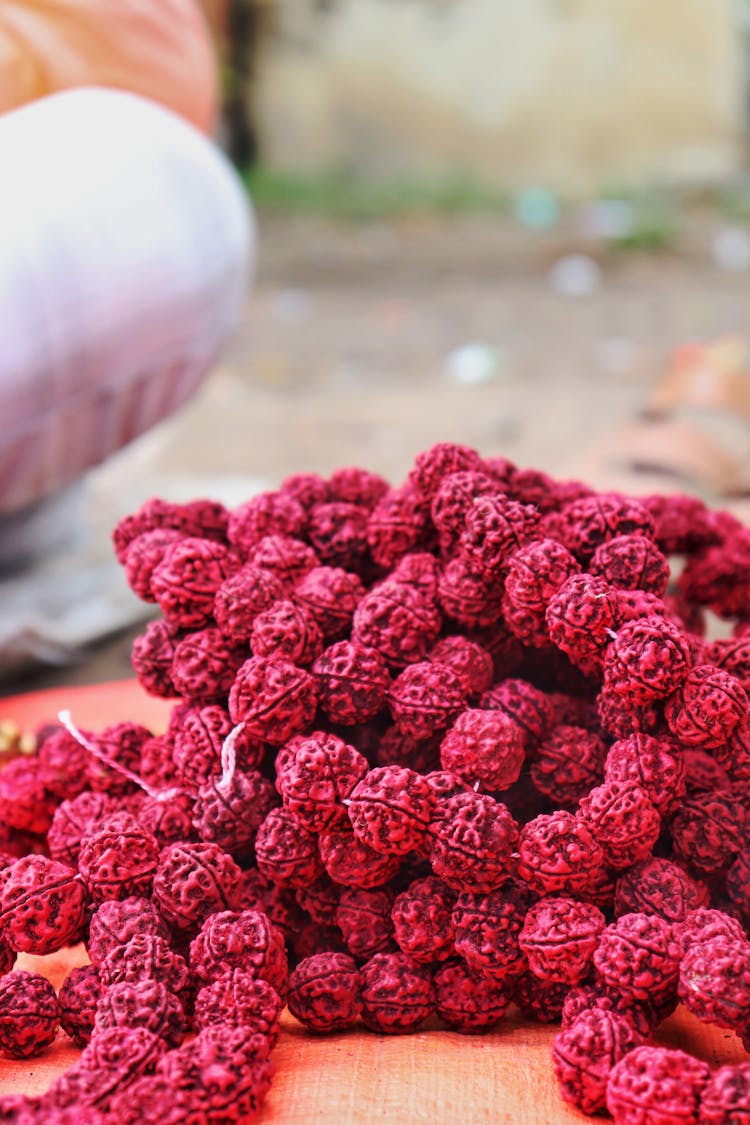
x=576 y=94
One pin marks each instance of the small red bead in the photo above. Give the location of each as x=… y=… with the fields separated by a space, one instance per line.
x=559 y=937
x=468 y=1000
x=390 y=809
x=584 y=1053
x=656 y=1086
x=42 y=905
x=638 y=956
x=273 y=698
x=324 y=992
x=397 y=993
x=29 y=1014
x=352 y=682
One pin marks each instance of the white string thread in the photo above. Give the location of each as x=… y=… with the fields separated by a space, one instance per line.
x=158 y=794
x=229 y=758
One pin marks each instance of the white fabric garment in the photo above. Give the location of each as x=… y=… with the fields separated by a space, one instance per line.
x=126 y=244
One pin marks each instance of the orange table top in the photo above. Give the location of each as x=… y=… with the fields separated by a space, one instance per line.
x=355 y=1078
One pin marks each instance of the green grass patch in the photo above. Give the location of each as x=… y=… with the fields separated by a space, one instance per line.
x=342 y=196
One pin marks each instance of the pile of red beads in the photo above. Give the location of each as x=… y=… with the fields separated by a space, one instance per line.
x=436 y=749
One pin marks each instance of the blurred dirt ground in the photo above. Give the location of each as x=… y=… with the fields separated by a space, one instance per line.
x=363 y=344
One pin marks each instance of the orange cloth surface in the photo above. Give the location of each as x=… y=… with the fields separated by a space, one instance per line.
x=161 y=49
x=356 y=1078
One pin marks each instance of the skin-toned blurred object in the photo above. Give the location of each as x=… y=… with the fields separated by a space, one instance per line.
x=161 y=49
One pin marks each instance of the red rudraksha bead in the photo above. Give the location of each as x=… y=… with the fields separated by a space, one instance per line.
x=709 y=829
x=471 y=838
x=725 y=1098
x=682 y=522
x=658 y=886
x=655 y=764
x=569 y=761
x=72 y=821
x=530 y=709
x=121 y=744
x=703 y=774
x=241 y=597
x=559 y=937
x=656 y=1086
x=42 y=905
x=398 y=621
x=623 y=821
x=319 y=900
x=426 y=698
x=364 y=918
x=714 y=981
x=484 y=748
x=395 y=748
x=152 y=656
x=204 y=666
x=638 y=956
x=115 y=922
x=193 y=881
x=352 y=863
x=268 y=513
x=433 y=465
x=318 y=776
x=331 y=595
x=471 y=663
x=154 y=513
x=705 y=924
x=640 y=1017
x=286 y=631
x=288 y=560
x=186 y=580
x=118 y=859
x=273 y=698
x=286 y=852
x=454 y=496
x=116 y=1057
x=536 y=999
x=732 y=655
x=738 y=883
x=486 y=929
x=632 y=562
x=197 y=742
x=244 y=940
x=716 y=577
x=307 y=489
x=467 y=1000
x=470 y=600
x=29 y=1014
x=422 y=920
x=78 y=998
x=145 y=957
x=535 y=574
x=495 y=527
x=324 y=992
x=352 y=682
x=143 y=555
x=397 y=993
x=706 y=708
x=156 y=767
x=238 y=998
x=647 y=660
x=581 y=618
x=220 y=1077
x=229 y=813
x=397 y=526
x=168 y=819
x=584 y=1053
x=26 y=805
x=419 y=569
x=338 y=532
x=597 y=519
x=144 y=1003
x=64 y=764
x=557 y=854
x=354 y=485
x=390 y=809
x=618 y=723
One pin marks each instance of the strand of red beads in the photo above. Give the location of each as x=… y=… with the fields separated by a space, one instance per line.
x=437 y=749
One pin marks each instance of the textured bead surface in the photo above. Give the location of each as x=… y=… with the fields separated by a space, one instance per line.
x=42 y=905
x=324 y=992
x=29 y=1014
x=397 y=993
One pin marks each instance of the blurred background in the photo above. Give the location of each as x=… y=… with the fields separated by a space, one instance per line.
x=525 y=227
